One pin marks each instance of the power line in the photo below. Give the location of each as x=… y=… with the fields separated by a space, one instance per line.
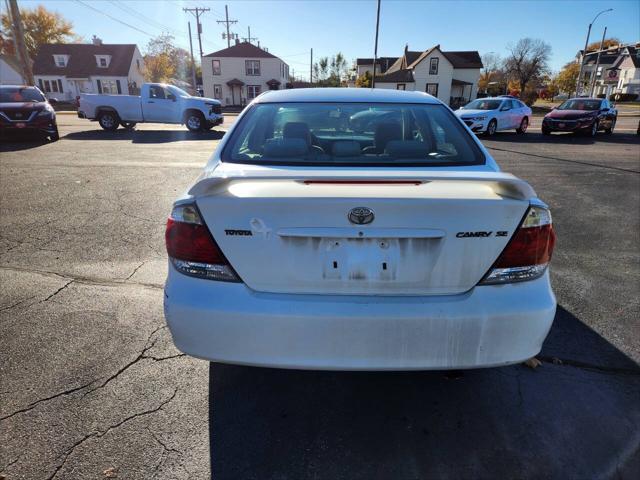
x=115 y=19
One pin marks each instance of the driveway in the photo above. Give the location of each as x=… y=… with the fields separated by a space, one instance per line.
x=92 y=387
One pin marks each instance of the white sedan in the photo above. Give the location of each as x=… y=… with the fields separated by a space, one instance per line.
x=307 y=243
x=490 y=115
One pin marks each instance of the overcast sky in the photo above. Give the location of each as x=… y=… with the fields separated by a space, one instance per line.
x=291 y=28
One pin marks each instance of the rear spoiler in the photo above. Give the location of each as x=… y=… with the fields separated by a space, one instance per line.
x=503 y=184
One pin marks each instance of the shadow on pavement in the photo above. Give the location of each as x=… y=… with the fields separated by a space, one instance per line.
x=22 y=143
x=564 y=138
x=558 y=421
x=146 y=136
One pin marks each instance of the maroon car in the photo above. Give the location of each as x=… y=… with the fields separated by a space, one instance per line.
x=25 y=109
x=581 y=115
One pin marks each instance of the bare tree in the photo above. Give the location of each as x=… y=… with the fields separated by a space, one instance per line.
x=528 y=61
x=492 y=71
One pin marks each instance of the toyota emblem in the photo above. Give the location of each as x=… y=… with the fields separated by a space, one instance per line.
x=361 y=215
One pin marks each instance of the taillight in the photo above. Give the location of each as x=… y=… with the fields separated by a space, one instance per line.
x=192 y=249
x=528 y=253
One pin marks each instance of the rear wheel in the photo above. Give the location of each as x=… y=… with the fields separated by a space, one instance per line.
x=128 y=125
x=546 y=131
x=492 y=127
x=109 y=120
x=609 y=130
x=524 y=124
x=594 y=129
x=55 y=136
x=194 y=121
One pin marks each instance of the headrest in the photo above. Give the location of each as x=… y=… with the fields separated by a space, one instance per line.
x=285 y=147
x=386 y=132
x=297 y=130
x=407 y=149
x=346 y=148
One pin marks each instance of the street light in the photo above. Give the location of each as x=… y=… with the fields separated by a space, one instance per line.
x=584 y=52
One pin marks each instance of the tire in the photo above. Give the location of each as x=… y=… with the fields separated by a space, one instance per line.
x=128 y=125
x=491 y=128
x=594 y=129
x=546 y=131
x=194 y=121
x=109 y=120
x=609 y=130
x=524 y=124
x=54 y=137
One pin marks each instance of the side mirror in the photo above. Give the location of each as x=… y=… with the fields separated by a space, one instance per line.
x=171 y=97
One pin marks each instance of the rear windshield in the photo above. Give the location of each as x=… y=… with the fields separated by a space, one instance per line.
x=20 y=94
x=351 y=134
x=580 y=105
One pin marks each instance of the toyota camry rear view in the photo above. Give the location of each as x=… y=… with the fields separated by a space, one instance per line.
x=357 y=229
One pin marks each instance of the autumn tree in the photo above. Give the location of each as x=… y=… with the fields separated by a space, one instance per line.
x=492 y=72
x=528 y=62
x=364 y=80
x=608 y=42
x=165 y=61
x=567 y=77
x=41 y=26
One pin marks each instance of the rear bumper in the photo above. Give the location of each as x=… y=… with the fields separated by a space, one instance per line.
x=487 y=326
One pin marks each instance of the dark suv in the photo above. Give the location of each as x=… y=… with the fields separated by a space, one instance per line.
x=25 y=109
x=581 y=115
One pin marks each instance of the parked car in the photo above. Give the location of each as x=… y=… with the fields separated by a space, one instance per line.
x=581 y=115
x=305 y=244
x=158 y=103
x=25 y=109
x=489 y=115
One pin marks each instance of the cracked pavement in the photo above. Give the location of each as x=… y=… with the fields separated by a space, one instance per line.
x=90 y=381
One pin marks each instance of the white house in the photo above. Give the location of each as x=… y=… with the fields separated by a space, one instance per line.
x=66 y=70
x=237 y=74
x=10 y=71
x=450 y=76
x=627 y=70
x=618 y=70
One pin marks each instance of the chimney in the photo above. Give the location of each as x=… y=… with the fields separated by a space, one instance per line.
x=96 y=41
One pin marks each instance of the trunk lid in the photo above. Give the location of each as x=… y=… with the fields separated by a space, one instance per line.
x=287 y=231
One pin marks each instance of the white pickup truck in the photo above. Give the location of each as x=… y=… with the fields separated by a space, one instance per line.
x=159 y=103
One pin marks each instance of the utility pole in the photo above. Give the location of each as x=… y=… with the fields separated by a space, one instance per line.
x=595 y=72
x=311 y=69
x=584 y=52
x=249 y=38
x=21 y=47
x=193 y=63
x=375 y=52
x=197 y=11
x=227 y=22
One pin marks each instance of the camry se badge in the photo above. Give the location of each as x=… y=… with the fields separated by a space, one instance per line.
x=361 y=215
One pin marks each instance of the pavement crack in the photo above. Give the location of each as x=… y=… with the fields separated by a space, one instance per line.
x=57 y=291
x=124 y=368
x=9 y=307
x=134 y=271
x=32 y=405
x=100 y=434
x=589 y=366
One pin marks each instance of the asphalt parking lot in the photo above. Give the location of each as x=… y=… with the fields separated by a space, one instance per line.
x=92 y=387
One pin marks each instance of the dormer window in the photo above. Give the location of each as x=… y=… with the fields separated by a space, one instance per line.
x=103 y=60
x=61 y=60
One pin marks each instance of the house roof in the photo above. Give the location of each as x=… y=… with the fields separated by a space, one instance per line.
x=467 y=59
x=82 y=62
x=273 y=81
x=242 y=50
x=381 y=60
x=235 y=82
x=455 y=81
x=605 y=59
x=404 y=75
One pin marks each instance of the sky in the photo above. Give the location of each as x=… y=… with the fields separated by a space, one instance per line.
x=289 y=29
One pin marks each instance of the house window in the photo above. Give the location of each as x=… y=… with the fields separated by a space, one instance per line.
x=216 y=67
x=47 y=86
x=253 y=91
x=401 y=86
x=103 y=62
x=252 y=67
x=433 y=66
x=432 y=89
x=138 y=63
x=217 y=92
x=61 y=60
x=110 y=87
